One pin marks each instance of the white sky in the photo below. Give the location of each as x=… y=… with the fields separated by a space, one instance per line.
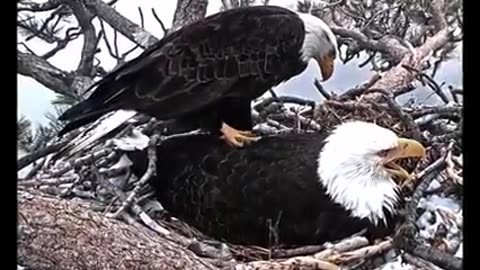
x=34 y=99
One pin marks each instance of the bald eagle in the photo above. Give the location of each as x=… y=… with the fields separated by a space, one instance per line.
x=309 y=188
x=206 y=73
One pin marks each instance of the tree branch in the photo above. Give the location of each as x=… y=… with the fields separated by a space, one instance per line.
x=165 y=30
x=42 y=71
x=129 y=29
x=32 y=6
x=385 y=45
x=398 y=76
x=90 y=42
x=188 y=11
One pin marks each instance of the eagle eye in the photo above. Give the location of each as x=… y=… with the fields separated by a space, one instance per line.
x=384 y=152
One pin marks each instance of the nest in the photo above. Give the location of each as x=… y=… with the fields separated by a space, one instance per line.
x=439 y=128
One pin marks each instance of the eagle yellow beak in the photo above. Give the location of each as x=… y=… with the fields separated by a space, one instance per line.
x=406 y=148
x=327 y=66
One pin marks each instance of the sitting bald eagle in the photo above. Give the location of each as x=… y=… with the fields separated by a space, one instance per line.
x=206 y=73
x=309 y=188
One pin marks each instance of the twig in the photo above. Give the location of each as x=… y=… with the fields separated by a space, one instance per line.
x=142 y=21
x=308 y=122
x=165 y=30
x=277 y=125
x=25 y=160
x=82 y=161
x=48 y=181
x=419 y=263
x=32 y=6
x=406 y=118
x=405 y=238
x=431 y=82
x=345 y=245
x=147 y=220
x=321 y=260
x=283 y=99
x=439 y=258
x=457 y=134
x=305 y=250
x=80 y=178
x=35 y=169
x=359 y=90
x=151 y=171
x=365 y=252
x=294 y=263
x=322 y=90
x=450 y=166
x=374 y=16
x=370 y=58
x=109 y=48
x=61 y=44
x=440 y=110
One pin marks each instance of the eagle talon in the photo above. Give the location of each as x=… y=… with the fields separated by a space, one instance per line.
x=237 y=138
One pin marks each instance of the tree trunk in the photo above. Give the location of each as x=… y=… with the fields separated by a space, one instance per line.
x=63 y=234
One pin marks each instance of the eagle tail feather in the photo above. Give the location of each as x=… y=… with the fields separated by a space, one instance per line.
x=80 y=115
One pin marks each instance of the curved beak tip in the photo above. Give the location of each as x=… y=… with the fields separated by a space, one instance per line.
x=327 y=67
x=407 y=148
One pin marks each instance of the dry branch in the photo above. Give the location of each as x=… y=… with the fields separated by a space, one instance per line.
x=33 y=6
x=398 y=76
x=27 y=159
x=151 y=171
x=118 y=22
x=43 y=72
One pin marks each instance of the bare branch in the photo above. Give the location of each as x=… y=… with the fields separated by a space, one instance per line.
x=129 y=29
x=398 y=76
x=61 y=44
x=90 y=41
x=165 y=30
x=33 y=6
x=283 y=99
x=25 y=160
x=431 y=82
x=359 y=90
x=105 y=39
x=151 y=171
x=142 y=21
x=42 y=71
x=320 y=89
x=387 y=46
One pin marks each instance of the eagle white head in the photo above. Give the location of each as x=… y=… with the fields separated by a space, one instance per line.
x=357 y=166
x=320 y=44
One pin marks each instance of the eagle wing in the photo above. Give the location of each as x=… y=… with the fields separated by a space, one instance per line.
x=196 y=65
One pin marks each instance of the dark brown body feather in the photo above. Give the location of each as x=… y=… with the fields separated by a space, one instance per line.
x=208 y=70
x=234 y=194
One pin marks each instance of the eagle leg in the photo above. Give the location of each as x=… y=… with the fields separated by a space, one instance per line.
x=237 y=137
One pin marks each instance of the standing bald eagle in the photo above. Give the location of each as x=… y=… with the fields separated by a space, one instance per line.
x=207 y=72
x=311 y=187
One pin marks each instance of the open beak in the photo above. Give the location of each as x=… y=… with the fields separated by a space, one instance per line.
x=327 y=66
x=406 y=148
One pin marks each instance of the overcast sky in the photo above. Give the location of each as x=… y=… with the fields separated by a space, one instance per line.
x=34 y=99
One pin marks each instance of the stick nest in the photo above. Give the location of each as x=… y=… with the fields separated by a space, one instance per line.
x=95 y=175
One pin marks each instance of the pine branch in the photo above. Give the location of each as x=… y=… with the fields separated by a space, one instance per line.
x=35 y=7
